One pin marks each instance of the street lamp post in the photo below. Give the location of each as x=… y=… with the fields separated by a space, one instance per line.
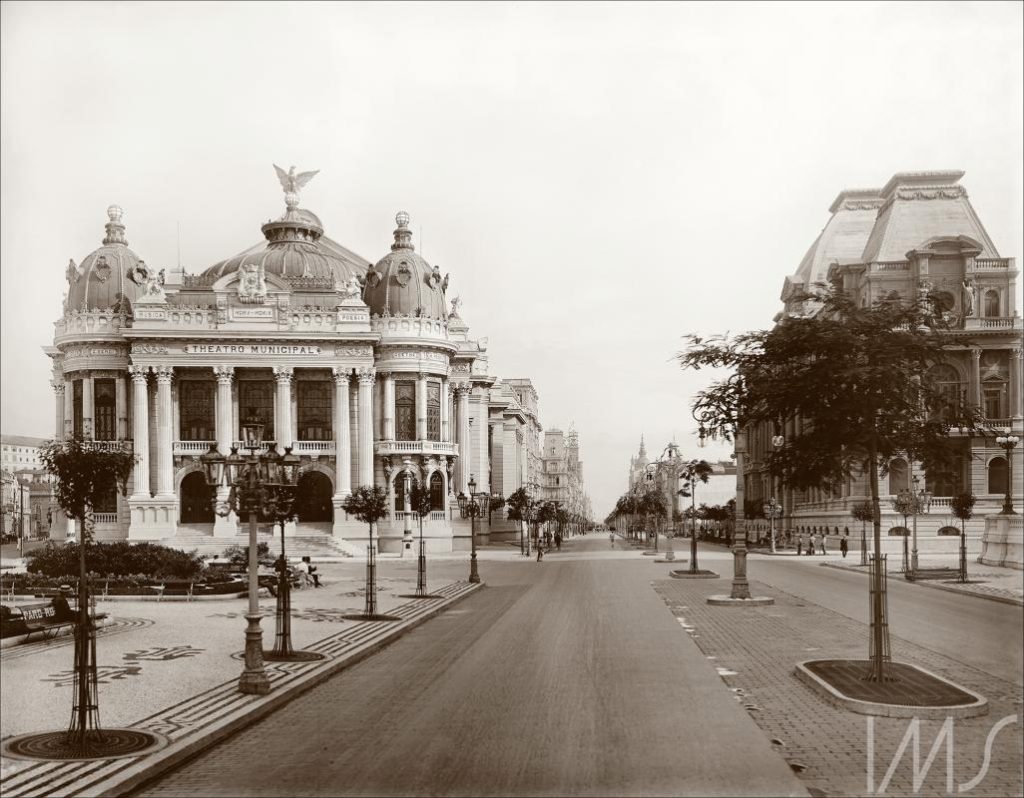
x=258 y=485
x=1009 y=443
x=468 y=505
x=772 y=510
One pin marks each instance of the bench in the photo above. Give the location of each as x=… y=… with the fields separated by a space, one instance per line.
x=43 y=618
x=933 y=573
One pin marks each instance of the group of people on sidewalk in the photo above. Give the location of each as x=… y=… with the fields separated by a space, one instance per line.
x=816 y=544
x=544 y=543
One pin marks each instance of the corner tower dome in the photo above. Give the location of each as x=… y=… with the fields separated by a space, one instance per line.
x=109 y=277
x=404 y=284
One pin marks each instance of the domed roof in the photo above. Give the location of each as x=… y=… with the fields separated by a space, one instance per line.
x=108 y=275
x=296 y=247
x=404 y=284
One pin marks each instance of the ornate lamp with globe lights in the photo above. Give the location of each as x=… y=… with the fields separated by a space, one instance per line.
x=259 y=485
x=1009 y=443
x=469 y=506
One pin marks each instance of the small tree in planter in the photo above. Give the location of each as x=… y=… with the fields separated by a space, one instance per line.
x=863 y=512
x=419 y=501
x=83 y=472
x=519 y=510
x=369 y=504
x=962 y=506
x=693 y=472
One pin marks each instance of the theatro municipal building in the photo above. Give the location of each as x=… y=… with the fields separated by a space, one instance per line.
x=365 y=369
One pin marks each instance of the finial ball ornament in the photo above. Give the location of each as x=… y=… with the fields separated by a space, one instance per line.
x=115 y=212
x=402 y=219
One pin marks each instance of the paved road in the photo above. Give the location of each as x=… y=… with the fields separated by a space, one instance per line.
x=566 y=677
x=972 y=630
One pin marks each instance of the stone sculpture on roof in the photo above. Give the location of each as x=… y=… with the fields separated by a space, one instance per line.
x=291 y=183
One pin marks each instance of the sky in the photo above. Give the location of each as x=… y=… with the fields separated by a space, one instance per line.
x=600 y=179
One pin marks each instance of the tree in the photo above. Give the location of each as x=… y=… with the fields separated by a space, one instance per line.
x=863 y=512
x=369 y=504
x=692 y=472
x=419 y=502
x=519 y=504
x=962 y=506
x=83 y=472
x=856 y=378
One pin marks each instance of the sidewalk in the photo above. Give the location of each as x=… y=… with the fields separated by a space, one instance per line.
x=983 y=581
x=171 y=668
x=836 y=752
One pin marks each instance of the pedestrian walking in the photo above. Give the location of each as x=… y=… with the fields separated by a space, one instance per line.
x=799 y=544
x=540 y=551
x=611 y=538
x=558 y=542
x=822 y=541
x=844 y=545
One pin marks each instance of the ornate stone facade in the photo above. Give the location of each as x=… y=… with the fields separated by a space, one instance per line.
x=370 y=381
x=919 y=233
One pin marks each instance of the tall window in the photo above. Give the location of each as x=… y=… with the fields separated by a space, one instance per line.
x=195 y=410
x=105 y=411
x=76 y=402
x=436 y=491
x=433 y=411
x=993 y=396
x=405 y=411
x=106 y=501
x=314 y=399
x=998 y=475
x=991 y=302
x=946 y=380
x=256 y=397
x=946 y=479
x=899 y=479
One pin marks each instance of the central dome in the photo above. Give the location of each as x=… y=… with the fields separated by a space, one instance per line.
x=296 y=247
x=404 y=284
x=109 y=277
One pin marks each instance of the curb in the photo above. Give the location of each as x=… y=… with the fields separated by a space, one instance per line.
x=839 y=699
x=935 y=586
x=729 y=601
x=688 y=575
x=94 y=778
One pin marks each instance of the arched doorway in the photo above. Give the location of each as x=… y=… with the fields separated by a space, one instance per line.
x=196 y=499
x=436 y=491
x=313 y=498
x=399 y=486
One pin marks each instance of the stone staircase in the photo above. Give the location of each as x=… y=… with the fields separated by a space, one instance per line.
x=312 y=540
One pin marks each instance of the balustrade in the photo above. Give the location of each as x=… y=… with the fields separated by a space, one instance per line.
x=192 y=447
x=986 y=264
x=104 y=518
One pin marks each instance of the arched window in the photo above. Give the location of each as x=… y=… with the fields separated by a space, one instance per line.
x=997 y=475
x=313 y=498
x=399 y=483
x=899 y=478
x=992 y=302
x=436 y=491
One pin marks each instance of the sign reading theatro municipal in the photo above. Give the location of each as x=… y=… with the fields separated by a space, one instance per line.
x=361 y=368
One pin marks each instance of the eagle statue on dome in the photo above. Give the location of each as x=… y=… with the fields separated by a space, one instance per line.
x=291 y=183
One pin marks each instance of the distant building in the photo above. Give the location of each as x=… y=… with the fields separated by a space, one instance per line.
x=19 y=452
x=563 y=472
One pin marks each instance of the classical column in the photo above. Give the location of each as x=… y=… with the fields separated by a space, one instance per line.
x=58 y=395
x=69 y=408
x=446 y=433
x=366 y=379
x=88 y=405
x=389 y=406
x=342 y=438
x=283 y=416
x=462 y=391
x=1016 y=410
x=164 y=433
x=225 y=431
x=140 y=430
x=224 y=526
x=975 y=377
x=421 y=406
x=121 y=407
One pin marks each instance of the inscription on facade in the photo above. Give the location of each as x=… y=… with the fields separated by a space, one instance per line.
x=252 y=349
x=252 y=313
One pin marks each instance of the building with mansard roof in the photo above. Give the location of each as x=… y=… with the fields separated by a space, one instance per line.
x=364 y=368
x=918 y=234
